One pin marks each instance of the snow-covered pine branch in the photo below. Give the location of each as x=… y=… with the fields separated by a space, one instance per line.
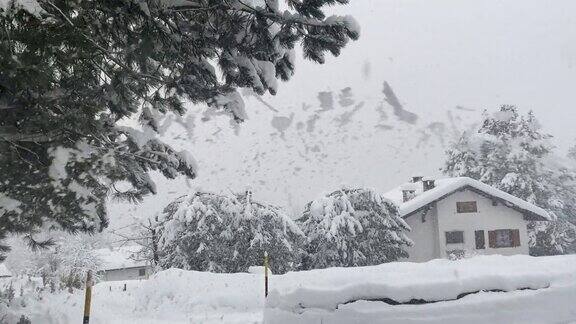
x=74 y=71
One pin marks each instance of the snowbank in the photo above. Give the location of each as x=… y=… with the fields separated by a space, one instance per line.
x=334 y=295
x=172 y=296
x=364 y=295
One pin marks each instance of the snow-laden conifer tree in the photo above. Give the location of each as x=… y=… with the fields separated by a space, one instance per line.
x=210 y=232
x=72 y=72
x=352 y=227
x=510 y=152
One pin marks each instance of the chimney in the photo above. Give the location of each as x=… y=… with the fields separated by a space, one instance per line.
x=408 y=194
x=428 y=184
x=416 y=179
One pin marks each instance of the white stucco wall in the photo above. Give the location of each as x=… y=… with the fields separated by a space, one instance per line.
x=430 y=239
x=425 y=236
x=124 y=274
x=487 y=218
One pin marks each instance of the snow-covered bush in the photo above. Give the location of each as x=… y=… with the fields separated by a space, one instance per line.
x=76 y=257
x=62 y=265
x=352 y=227
x=20 y=297
x=210 y=232
x=458 y=254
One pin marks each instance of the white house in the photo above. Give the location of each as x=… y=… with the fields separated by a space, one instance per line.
x=456 y=216
x=122 y=263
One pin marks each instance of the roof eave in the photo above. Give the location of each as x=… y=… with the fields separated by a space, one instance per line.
x=528 y=215
x=126 y=268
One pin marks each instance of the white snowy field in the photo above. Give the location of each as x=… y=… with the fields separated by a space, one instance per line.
x=337 y=295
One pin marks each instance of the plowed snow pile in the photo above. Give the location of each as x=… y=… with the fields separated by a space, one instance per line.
x=482 y=289
x=503 y=290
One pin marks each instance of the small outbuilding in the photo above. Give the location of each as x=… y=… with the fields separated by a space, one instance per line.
x=123 y=263
x=453 y=217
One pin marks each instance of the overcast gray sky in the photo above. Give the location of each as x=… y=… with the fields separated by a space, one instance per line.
x=478 y=54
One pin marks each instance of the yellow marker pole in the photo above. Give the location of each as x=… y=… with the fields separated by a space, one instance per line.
x=265 y=274
x=88 y=298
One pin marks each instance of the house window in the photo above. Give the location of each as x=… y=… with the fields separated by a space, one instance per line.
x=480 y=241
x=504 y=238
x=141 y=272
x=466 y=207
x=454 y=237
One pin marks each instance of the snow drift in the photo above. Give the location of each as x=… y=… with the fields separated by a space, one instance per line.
x=331 y=295
x=334 y=295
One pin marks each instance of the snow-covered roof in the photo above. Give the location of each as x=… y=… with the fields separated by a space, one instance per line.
x=120 y=257
x=446 y=186
x=4 y=272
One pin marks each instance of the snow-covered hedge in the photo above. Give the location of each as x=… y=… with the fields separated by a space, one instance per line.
x=210 y=232
x=352 y=227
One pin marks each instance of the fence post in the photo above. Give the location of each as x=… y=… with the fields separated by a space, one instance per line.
x=88 y=298
x=265 y=274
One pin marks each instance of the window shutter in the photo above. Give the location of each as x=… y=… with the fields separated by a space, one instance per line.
x=515 y=237
x=480 y=240
x=492 y=239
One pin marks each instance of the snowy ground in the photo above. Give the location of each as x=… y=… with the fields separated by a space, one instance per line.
x=337 y=295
